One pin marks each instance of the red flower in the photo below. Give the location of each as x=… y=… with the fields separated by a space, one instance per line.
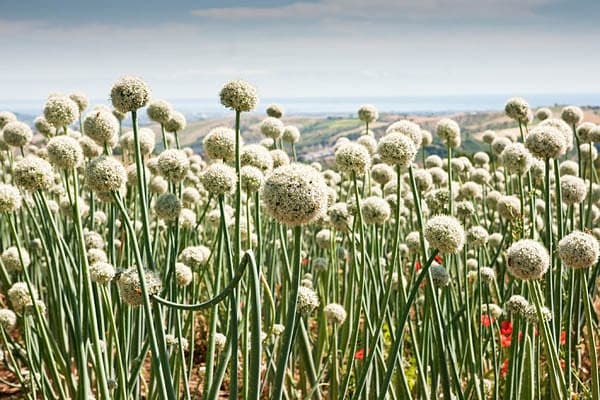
x=563 y=338
x=486 y=320
x=505 y=340
x=305 y=261
x=360 y=354
x=506 y=328
x=438 y=259
x=504 y=368
x=417 y=265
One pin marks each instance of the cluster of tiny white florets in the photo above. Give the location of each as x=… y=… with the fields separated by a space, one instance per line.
x=101 y=125
x=295 y=194
x=194 y=256
x=130 y=287
x=546 y=142
x=10 y=198
x=574 y=189
x=20 y=296
x=291 y=134
x=173 y=165
x=527 y=259
x=408 y=129
x=219 y=144
x=32 y=173
x=257 y=156
x=102 y=272
x=449 y=131
x=308 y=300
x=239 y=96
x=352 y=158
x=543 y=113
x=368 y=113
x=272 y=128
x=105 y=174
x=17 y=134
x=516 y=158
x=516 y=304
x=439 y=275
x=64 y=152
x=159 y=111
x=579 y=250
x=12 y=256
x=572 y=115
x=397 y=149
x=517 y=108
x=335 y=313
x=375 y=210
x=6 y=117
x=445 y=233
x=8 y=319
x=219 y=178
x=339 y=217
x=275 y=110
x=129 y=93
x=60 y=111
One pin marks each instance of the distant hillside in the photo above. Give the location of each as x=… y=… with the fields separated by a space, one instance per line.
x=320 y=133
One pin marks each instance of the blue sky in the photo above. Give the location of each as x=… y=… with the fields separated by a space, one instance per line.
x=188 y=49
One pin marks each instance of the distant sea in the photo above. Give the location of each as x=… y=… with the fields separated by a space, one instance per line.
x=340 y=106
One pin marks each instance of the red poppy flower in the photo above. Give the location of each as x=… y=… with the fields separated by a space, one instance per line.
x=486 y=320
x=504 y=368
x=505 y=340
x=417 y=265
x=506 y=328
x=438 y=259
x=563 y=338
x=360 y=354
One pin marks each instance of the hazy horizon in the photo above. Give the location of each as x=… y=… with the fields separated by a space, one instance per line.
x=301 y=48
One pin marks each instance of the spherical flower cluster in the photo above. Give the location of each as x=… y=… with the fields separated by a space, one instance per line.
x=543 y=113
x=368 y=113
x=146 y=140
x=308 y=300
x=275 y=110
x=516 y=158
x=531 y=315
x=565 y=130
x=569 y=167
x=43 y=126
x=445 y=233
x=488 y=136
x=129 y=93
x=102 y=273
x=176 y=123
x=408 y=129
x=578 y=250
x=101 y=125
x=252 y=178
x=449 y=131
x=17 y=134
x=509 y=207
x=272 y=128
x=439 y=275
x=6 y=117
x=257 y=156
x=516 y=304
x=339 y=217
x=183 y=274
x=335 y=313
x=368 y=142
x=295 y=194
x=173 y=165
x=12 y=261
x=167 y=206
x=433 y=161
x=89 y=147
x=20 y=297
x=130 y=286
x=279 y=157
x=487 y=274
x=517 y=108
x=546 y=142
x=8 y=319
x=352 y=158
x=397 y=149
x=572 y=115
x=291 y=134
x=477 y=236
x=159 y=111
x=426 y=138
x=574 y=189
x=65 y=152
x=32 y=173
x=60 y=111
x=80 y=99
x=491 y=309
x=219 y=144
x=10 y=198
x=527 y=259
x=239 y=96
x=105 y=174
x=499 y=144
x=584 y=130
x=375 y=210
x=219 y=179
x=194 y=256
x=382 y=173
